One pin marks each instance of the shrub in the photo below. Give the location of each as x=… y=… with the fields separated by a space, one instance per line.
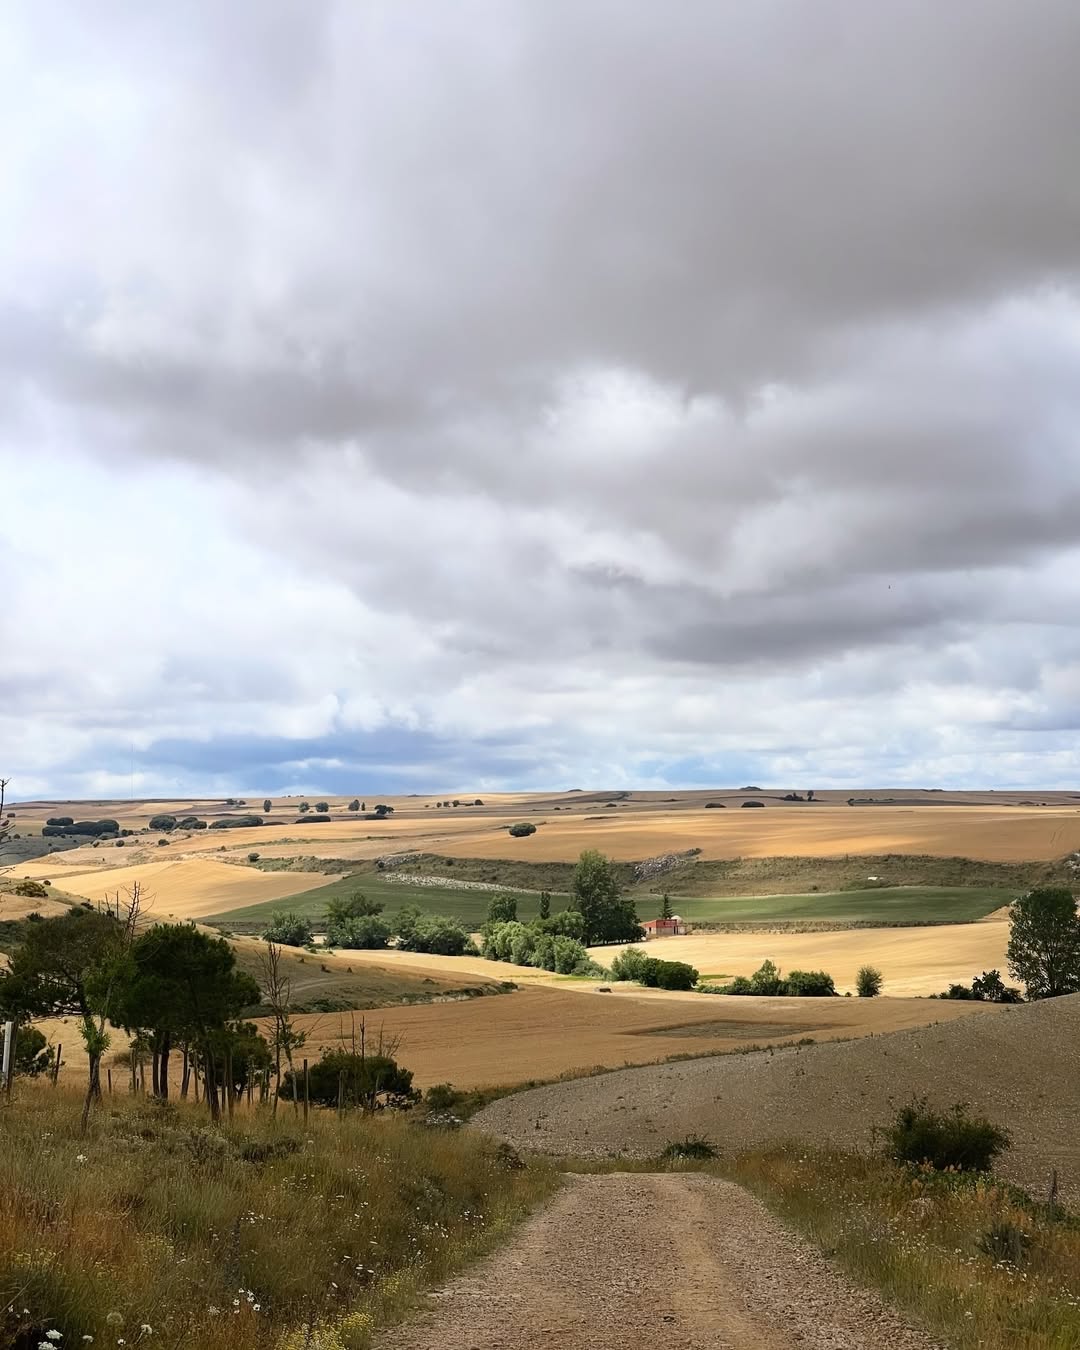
x=868 y=982
x=322 y=807
x=694 y=1148
x=33 y=890
x=371 y=1082
x=236 y=822
x=433 y=933
x=253 y=857
x=629 y=964
x=33 y=1054
x=268 y=806
x=753 y=803
x=766 y=980
x=163 y=843
x=288 y=930
x=945 y=1141
x=1005 y=1242
x=657 y=974
x=354 y=805
x=567 y=923
x=191 y=823
x=162 y=824
x=571 y=958
x=312 y=818
x=522 y=828
x=364 y=932
x=56 y=820
x=442 y=1097
x=809 y=984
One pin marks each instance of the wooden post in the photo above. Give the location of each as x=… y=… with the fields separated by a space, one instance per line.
x=56 y=1063
x=108 y=1077
x=341 y=1092
x=307 y=1090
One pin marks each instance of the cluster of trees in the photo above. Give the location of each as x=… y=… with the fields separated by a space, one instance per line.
x=651 y=971
x=458 y=802
x=551 y=942
x=768 y=981
x=355 y=923
x=988 y=987
x=65 y=825
x=173 y=988
x=237 y=822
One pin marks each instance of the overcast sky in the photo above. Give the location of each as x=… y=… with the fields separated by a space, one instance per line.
x=538 y=393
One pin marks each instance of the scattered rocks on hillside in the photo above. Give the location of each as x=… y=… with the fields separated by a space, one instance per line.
x=665 y=862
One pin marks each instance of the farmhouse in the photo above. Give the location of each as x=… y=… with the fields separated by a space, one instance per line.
x=673 y=927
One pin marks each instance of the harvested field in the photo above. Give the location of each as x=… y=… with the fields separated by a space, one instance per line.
x=1020 y=1066
x=188 y=888
x=544 y=1031
x=913 y=961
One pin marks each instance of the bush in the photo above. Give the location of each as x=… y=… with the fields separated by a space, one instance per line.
x=191 y=823
x=163 y=843
x=567 y=923
x=162 y=824
x=312 y=818
x=809 y=984
x=657 y=974
x=371 y=1082
x=288 y=930
x=945 y=1141
x=766 y=980
x=433 y=933
x=33 y=890
x=442 y=1097
x=366 y=932
x=236 y=822
x=1005 y=1243
x=629 y=964
x=33 y=1055
x=753 y=803
x=253 y=857
x=522 y=828
x=354 y=805
x=56 y=820
x=89 y=827
x=322 y=807
x=868 y=982
x=694 y=1148
x=571 y=958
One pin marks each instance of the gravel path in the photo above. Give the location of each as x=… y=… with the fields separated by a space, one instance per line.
x=680 y=1261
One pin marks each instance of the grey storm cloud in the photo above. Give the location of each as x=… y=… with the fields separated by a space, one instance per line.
x=560 y=342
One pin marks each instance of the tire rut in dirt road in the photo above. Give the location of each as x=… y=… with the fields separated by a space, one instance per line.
x=632 y=1261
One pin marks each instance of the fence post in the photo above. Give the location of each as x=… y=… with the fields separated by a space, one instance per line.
x=108 y=1076
x=9 y=1055
x=56 y=1062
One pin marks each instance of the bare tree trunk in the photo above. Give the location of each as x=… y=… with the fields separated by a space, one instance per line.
x=185 y=1075
x=163 y=1066
x=154 y=1061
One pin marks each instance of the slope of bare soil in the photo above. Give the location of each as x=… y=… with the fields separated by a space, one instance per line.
x=629 y=1262
x=1020 y=1067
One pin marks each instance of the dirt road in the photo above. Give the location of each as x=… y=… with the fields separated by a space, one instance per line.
x=631 y=1261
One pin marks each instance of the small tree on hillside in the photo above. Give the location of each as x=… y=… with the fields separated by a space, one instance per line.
x=284 y=1037
x=322 y=807
x=268 y=806
x=354 y=805
x=666 y=912
x=545 y=904
x=609 y=915
x=288 y=930
x=502 y=909
x=1044 y=942
x=305 y=806
x=868 y=982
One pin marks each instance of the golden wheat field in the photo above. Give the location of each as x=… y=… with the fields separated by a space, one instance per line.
x=541 y=1033
x=185 y=888
x=914 y=961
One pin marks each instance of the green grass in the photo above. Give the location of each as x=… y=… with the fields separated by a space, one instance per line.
x=157 y=1228
x=468 y=906
x=921 y=1239
x=885 y=905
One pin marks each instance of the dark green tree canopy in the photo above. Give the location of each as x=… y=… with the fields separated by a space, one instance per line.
x=502 y=909
x=58 y=968
x=1044 y=942
x=609 y=915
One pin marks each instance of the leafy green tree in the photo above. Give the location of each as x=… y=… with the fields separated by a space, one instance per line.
x=434 y=933
x=383 y=810
x=567 y=923
x=63 y=968
x=545 y=904
x=991 y=988
x=666 y=912
x=305 y=806
x=354 y=805
x=609 y=915
x=766 y=980
x=355 y=905
x=179 y=985
x=288 y=929
x=1044 y=942
x=268 y=806
x=322 y=807
x=502 y=909
x=522 y=829
x=362 y=932
x=868 y=982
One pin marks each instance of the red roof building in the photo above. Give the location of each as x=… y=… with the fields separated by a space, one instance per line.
x=673 y=927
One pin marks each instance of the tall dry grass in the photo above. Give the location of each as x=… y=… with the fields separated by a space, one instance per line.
x=158 y=1228
x=974 y=1260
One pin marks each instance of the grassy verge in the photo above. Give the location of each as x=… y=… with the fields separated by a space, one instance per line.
x=160 y=1229
x=927 y=1242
